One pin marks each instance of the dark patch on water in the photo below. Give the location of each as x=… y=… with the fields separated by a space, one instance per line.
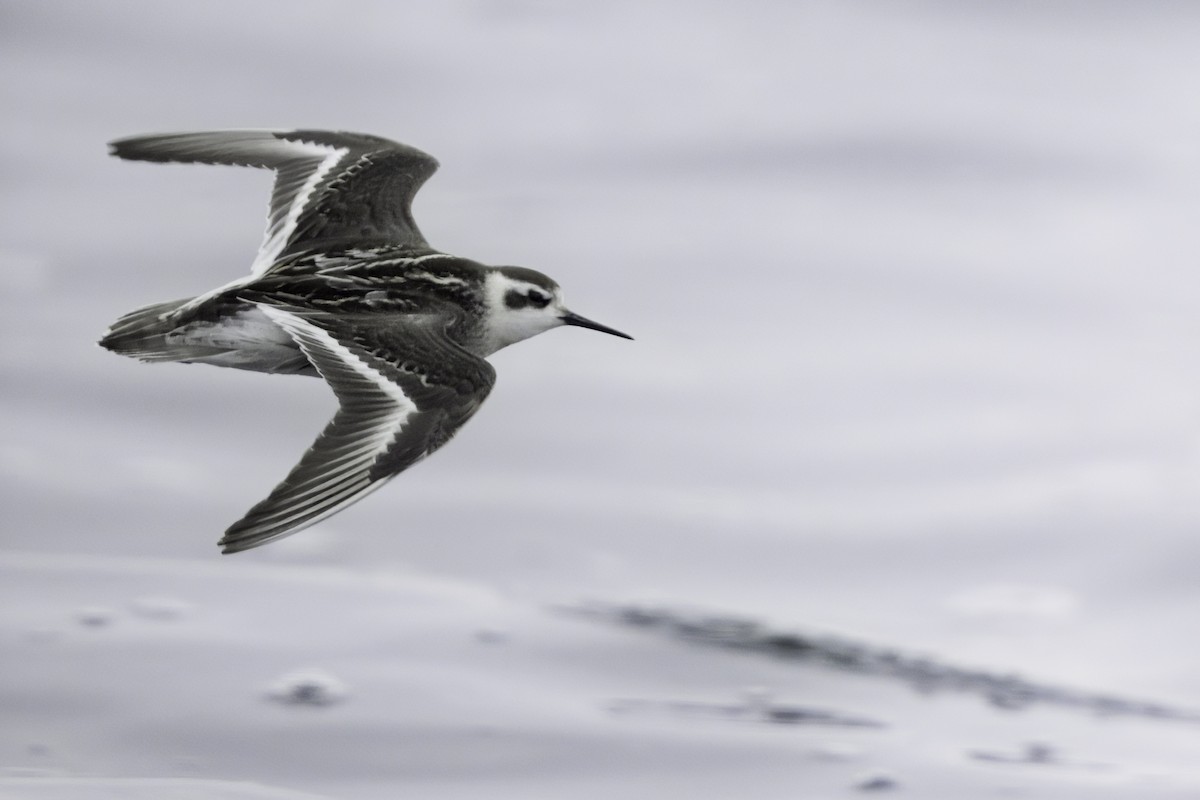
x=1002 y=691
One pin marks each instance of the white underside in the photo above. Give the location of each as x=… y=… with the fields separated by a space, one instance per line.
x=249 y=339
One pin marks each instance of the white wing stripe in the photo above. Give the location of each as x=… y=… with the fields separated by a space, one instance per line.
x=384 y=429
x=307 y=334
x=279 y=233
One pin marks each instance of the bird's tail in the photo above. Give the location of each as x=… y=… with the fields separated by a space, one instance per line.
x=145 y=334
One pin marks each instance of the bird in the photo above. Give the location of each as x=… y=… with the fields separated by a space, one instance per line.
x=344 y=287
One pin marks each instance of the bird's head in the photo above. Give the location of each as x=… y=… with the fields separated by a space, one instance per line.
x=523 y=302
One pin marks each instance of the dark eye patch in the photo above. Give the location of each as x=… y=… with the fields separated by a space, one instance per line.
x=514 y=299
x=537 y=299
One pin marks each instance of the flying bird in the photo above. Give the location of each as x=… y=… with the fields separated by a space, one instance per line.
x=344 y=287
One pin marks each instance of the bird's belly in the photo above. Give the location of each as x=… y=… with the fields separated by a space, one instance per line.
x=247 y=339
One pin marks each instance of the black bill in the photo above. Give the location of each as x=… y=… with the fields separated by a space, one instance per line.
x=571 y=318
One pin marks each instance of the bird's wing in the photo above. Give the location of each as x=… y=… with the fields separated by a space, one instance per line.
x=331 y=187
x=404 y=389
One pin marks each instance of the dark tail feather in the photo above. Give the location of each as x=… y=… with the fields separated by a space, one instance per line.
x=143 y=334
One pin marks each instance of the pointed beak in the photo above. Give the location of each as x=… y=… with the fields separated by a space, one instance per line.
x=571 y=318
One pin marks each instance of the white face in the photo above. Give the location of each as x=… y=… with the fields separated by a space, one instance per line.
x=518 y=309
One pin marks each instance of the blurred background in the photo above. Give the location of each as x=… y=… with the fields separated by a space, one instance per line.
x=913 y=287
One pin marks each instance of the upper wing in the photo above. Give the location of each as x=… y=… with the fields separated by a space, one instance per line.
x=330 y=186
x=402 y=395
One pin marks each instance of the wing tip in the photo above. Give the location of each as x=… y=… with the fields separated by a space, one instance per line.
x=234 y=542
x=250 y=532
x=148 y=147
x=253 y=530
x=193 y=146
x=123 y=147
x=248 y=540
x=258 y=528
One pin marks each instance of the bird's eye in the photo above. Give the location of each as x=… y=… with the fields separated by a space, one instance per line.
x=538 y=299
